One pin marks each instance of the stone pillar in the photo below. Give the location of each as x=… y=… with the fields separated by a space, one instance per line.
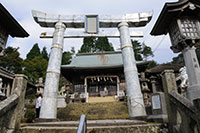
x=86 y=94
x=153 y=83
x=193 y=71
x=8 y=90
x=118 y=83
x=49 y=102
x=135 y=101
x=18 y=88
x=169 y=85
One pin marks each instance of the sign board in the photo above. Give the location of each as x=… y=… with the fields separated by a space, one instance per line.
x=91 y=24
x=156 y=102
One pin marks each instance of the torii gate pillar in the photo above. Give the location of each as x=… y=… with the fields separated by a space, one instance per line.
x=49 y=102
x=135 y=101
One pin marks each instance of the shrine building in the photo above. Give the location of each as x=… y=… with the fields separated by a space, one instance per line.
x=98 y=74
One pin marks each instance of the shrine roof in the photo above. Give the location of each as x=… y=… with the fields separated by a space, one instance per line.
x=160 y=68
x=171 y=11
x=10 y=24
x=96 y=60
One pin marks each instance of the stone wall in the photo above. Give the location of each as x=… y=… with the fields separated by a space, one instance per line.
x=183 y=113
x=12 y=108
x=6 y=110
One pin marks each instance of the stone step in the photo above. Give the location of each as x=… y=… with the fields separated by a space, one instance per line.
x=135 y=128
x=102 y=99
x=90 y=123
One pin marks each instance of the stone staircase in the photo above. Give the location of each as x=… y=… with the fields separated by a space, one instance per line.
x=93 y=126
x=102 y=99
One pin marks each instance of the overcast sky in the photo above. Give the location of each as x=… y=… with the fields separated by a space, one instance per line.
x=21 y=10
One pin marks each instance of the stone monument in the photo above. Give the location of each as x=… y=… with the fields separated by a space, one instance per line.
x=91 y=23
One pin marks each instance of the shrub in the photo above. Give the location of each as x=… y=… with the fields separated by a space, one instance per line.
x=30 y=115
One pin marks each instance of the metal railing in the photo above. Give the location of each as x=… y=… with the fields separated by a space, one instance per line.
x=82 y=127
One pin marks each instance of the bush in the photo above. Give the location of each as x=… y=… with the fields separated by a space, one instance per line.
x=30 y=115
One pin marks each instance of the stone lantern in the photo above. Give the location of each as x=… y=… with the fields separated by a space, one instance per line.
x=182 y=21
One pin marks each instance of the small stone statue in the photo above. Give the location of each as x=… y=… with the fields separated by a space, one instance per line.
x=62 y=91
x=40 y=81
x=184 y=79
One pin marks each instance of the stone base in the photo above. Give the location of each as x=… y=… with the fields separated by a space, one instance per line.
x=46 y=120
x=157 y=118
x=61 y=102
x=193 y=92
x=143 y=118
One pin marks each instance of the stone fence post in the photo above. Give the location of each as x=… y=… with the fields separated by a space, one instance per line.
x=169 y=85
x=18 y=88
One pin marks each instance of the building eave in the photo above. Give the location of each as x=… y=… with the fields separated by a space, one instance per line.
x=10 y=24
x=168 y=13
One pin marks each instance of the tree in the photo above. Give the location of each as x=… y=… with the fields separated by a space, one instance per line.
x=147 y=52
x=91 y=44
x=66 y=58
x=11 y=60
x=178 y=59
x=35 y=64
x=141 y=51
x=151 y=64
x=88 y=45
x=44 y=53
x=102 y=44
x=35 y=51
x=35 y=68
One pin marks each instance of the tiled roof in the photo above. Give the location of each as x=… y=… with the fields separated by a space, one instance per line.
x=96 y=60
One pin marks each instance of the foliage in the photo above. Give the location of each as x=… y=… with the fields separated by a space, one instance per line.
x=30 y=94
x=141 y=51
x=35 y=64
x=11 y=60
x=30 y=115
x=88 y=45
x=178 y=59
x=102 y=44
x=63 y=81
x=151 y=64
x=44 y=53
x=35 y=68
x=92 y=44
x=35 y=51
x=147 y=51
x=66 y=58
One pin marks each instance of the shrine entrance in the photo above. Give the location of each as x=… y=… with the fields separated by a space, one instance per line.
x=92 y=25
x=101 y=86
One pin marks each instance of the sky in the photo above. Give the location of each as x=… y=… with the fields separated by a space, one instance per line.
x=21 y=11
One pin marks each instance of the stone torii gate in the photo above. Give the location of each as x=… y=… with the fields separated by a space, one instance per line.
x=91 y=23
